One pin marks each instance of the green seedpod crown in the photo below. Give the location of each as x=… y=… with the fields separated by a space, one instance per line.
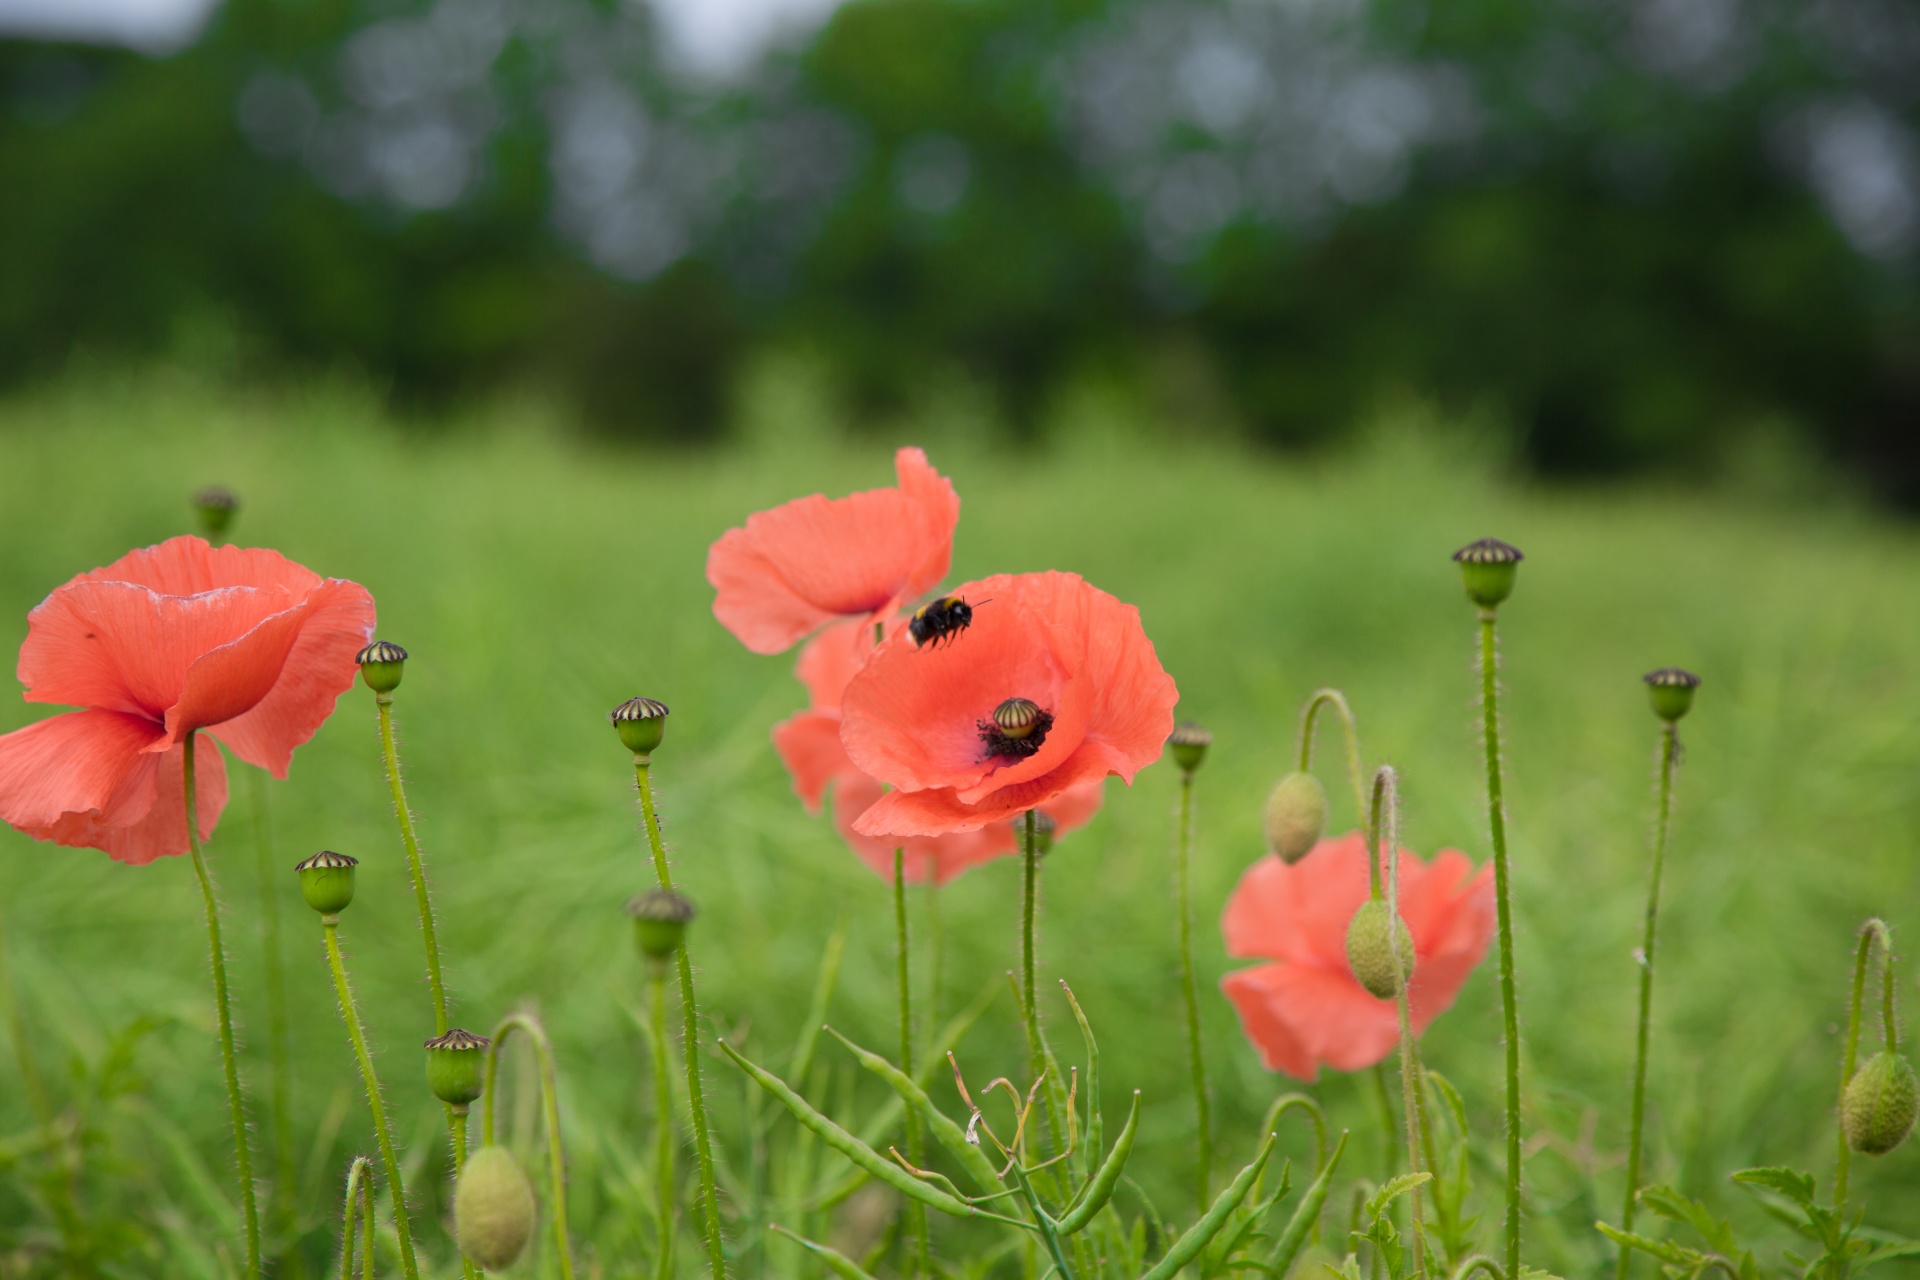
x=382 y=663
x=455 y=1062
x=1188 y=745
x=1671 y=689
x=326 y=881
x=641 y=723
x=1487 y=570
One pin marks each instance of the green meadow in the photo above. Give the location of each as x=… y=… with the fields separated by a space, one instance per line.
x=538 y=577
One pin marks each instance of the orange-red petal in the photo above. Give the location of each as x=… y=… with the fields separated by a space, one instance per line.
x=832 y=658
x=939 y=858
x=938 y=810
x=1302 y=1018
x=809 y=745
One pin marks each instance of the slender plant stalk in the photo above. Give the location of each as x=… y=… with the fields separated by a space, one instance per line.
x=916 y=1212
x=1197 y=1062
x=663 y=1170
x=690 y=1016
x=1669 y=750
x=1871 y=930
x=1386 y=821
x=1355 y=774
x=359 y=1186
x=936 y=945
x=236 y=1104
x=279 y=1052
x=1029 y=1004
x=550 y=1103
x=382 y=1130
x=1503 y=911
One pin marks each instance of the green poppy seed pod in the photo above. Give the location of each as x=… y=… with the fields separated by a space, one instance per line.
x=1878 y=1108
x=493 y=1209
x=326 y=881
x=641 y=723
x=381 y=665
x=1487 y=568
x=215 y=507
x=1189 y=745
x=1296 y=816
x=660 y=919
x=1016 y=718
x=1672 y=690
x=454 y=1066
x=1370 y=951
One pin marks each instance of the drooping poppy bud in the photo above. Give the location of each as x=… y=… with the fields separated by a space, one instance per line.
x=1487 y=569
x=1370 y=949
x=660 y=918
x=1672 y=691
x=326 y=881
x=215 y=506
x=641 y=723
x=454 y=1066
x=1189 y=745
x=1877 y=1109
x=493 y=1209
x=1296 y=816
x=381 y=665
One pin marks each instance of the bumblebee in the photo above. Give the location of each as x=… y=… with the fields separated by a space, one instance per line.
x=941 y=619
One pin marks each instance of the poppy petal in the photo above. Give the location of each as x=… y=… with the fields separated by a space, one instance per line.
x=941 y=809
x=1289 y=1009
x=188 y=565
x=809 y=745
x=939 y=858
x=832 y=658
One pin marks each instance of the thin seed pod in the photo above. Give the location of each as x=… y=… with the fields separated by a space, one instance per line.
x=1094 y=1134
x=1100 y=1190
x=1305 y=1214
x=1201 y=1233
x=838 y=1263
x=945 y=1131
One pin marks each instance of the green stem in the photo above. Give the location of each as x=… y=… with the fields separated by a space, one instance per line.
x=916 y=1212
x=690 y=1017
x=936 y=945
x=1503 y=912
x=550 y=1104
x=1869 y=931
x=229 y=1062
x=279 y=1053
x=1197 y=1062
x=1029 y=1003
x=1669 y=744
x=1386 y=822
x=382 y=1130
x=1355 y=774
x=663 y=1119
x=358 y=1174
x=384 y=701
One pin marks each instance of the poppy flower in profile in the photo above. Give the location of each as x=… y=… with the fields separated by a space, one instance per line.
x=1053 y=686
x=179 y=637
x=809 y=744
x=814 y=560
x=1305 y=1009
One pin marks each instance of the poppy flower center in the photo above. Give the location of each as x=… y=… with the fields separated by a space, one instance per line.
x=1016 y=730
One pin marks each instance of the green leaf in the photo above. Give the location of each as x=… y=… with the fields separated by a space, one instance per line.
x=1665 y=1250
x=1377 y=1202
x=1791 y=1183
x=838 y=1263
x=948 y=1134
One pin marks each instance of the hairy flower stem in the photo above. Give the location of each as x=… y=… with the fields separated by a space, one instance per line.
x=382 y=1129
x=359 y=1191
x=1503 y=912
x=1355 y=775
x=1386 y=822
x=279 y=1053
x=1029 y=1004
x=1203 y=1120
x=916 y=1212
x=690 y=1018
x=236 y=1105
x=1669 y=750
x=1871 y=930
x=550 y=1105
x=663 y=1171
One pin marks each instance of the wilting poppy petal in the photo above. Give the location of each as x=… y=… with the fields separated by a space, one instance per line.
x=802 y=565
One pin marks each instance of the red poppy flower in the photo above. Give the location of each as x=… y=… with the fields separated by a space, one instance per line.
x=1306 y=1009
x=244 y=644
x=921 y=719
x=809 y=744
x=797 y=567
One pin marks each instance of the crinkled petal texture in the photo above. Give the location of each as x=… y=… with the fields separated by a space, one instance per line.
x=809 y=562
x=244 y=643
x=912 y=716
x=1305 y=1009
x=96 y=779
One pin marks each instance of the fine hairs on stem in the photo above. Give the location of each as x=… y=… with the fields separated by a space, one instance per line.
x=1669 y=753
x=279 y=1051
x=530 y=1027
x=663 y=1162
x=1385 y=820
x=1355 y=773
x=917 y=1212
x=1029 y=1004
x=690 y=1017
x=1503 y=914
x=1873 y=930
x=236 y=1104
x=359 y=1207
x=1203 y=1118
x=382 y=1128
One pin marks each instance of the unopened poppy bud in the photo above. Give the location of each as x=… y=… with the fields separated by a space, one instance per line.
x=1487 y=568
x=454 y=1064
x=493 y=1209
x=1189 y=745
x=1672 y=690
x=660 y=919
x=1296 y=816
x=326 y=881
x=641 y=723
x=381 y=665
x=1878 y=1108
x=215 y=507
x=1370 y=949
